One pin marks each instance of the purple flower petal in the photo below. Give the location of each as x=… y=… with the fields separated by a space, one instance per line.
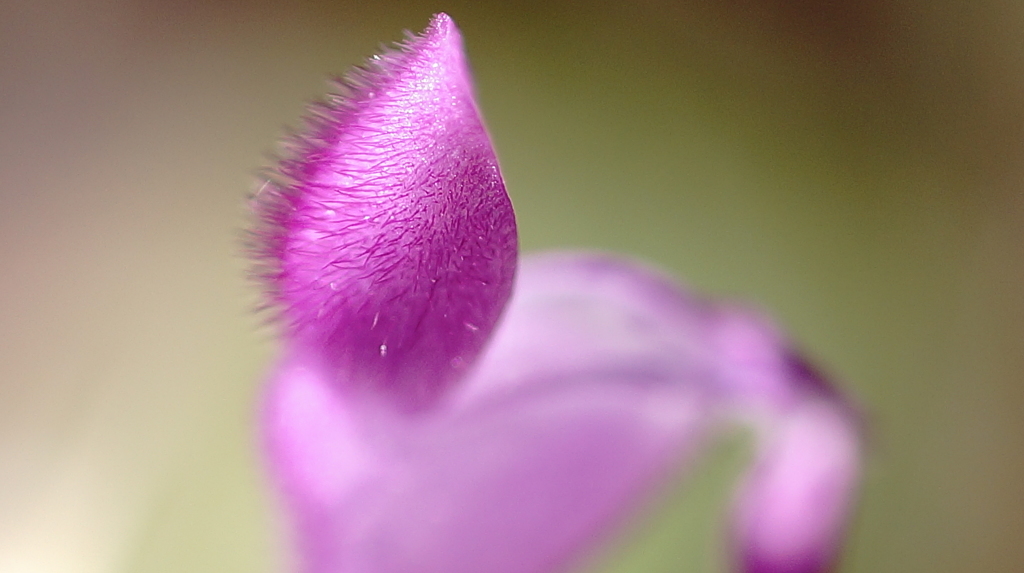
x=578 y=314
x=319 y=456
x=521 y=484
x=388 y=244
x=793 y=509
x=599 y=382
x=387 y=239
x=524 y=486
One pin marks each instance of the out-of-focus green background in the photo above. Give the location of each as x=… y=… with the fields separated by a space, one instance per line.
x=855 y=167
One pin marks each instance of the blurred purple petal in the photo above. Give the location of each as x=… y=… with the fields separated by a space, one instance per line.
x=597 y=385
x=524 y=483
x=793 y=509
x=521 y=472
x=588 y=314
x=387 y=239
x=522 y=486
x=318 y=456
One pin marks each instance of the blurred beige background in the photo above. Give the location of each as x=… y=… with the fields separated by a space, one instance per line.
x=854 y=167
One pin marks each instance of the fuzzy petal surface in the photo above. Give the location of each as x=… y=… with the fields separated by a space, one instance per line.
x=386 y=238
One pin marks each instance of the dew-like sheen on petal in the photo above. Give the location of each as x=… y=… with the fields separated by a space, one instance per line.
x=386 y=238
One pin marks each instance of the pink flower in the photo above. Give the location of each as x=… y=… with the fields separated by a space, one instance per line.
x=442 y=408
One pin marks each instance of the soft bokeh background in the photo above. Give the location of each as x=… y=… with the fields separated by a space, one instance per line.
x=855 y=167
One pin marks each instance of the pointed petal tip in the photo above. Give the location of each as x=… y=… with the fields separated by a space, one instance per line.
x=441 y=24
x=441 y=34
x=386 y=238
